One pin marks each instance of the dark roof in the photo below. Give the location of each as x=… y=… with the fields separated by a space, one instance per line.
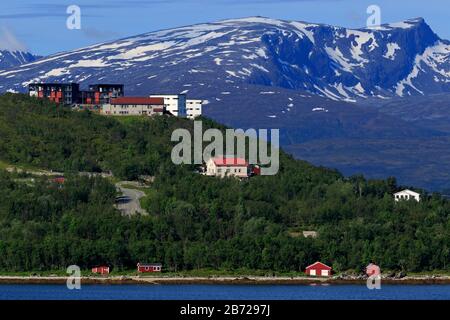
x=54 y=83
x=106 y=85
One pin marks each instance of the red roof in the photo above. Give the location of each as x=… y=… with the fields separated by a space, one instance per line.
x=59 y=179
x=138 y=100
x=318 y=265
x=225 y=161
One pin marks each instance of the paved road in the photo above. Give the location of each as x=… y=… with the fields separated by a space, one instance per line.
x=129 y=203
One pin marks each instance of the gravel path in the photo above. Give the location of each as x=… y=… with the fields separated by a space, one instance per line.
x=129 y=203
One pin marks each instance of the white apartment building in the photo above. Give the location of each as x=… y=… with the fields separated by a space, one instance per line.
x=174 y=103
x=193 y=108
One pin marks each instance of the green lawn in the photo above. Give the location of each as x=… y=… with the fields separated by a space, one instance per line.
x=3 y=165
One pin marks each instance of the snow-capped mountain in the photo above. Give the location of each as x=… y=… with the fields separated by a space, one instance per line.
x=299 y=77
x=398 y=59
x=14 y=58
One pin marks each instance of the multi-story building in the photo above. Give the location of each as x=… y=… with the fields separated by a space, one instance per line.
x=103 y=93
x=100 y=96
x=174 y=103
x=129 y=106
x=193 y=108
x=70 y=93
x=64 y=93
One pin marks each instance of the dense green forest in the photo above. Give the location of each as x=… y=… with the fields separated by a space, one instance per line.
x=194 y=221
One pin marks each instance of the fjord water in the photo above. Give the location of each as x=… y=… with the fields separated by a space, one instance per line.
x=224 y=292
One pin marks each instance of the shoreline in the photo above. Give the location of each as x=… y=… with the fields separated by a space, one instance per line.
x=222 y=280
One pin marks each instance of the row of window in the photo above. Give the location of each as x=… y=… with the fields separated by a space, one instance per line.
x=128 y=106
x=229 y=170
x=152 y=268
x=127 y=112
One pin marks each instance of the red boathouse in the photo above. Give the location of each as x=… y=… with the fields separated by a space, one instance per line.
x=318 y=269
x=149 y=267
x=101 y=270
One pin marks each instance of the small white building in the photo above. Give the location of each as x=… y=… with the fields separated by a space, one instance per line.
x=193 y=108
x=174 y=103
x=227 y=167
x=129 y=106
x=309 y=234
x=407 y=195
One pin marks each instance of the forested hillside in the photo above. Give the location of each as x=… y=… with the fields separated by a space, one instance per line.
x=194 y=221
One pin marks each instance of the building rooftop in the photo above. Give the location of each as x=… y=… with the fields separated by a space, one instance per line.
x=138 y=100
x=229 y=161
x=408 y=192
x=149 y=264
x=318 y=263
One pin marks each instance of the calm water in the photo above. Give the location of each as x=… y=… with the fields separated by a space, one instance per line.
x=224 y=292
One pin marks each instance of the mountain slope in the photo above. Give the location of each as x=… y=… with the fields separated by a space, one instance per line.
x=296 y=76
x=342 y=64
x=10 y=58
x=194 y=221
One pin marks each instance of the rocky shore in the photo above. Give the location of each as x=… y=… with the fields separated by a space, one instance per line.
x=251 y=280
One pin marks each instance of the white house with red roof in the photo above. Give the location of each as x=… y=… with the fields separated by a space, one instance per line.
x=227 y=167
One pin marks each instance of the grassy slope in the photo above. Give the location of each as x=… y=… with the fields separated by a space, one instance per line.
x=353 y=229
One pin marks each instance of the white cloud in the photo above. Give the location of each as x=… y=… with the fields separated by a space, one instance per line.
x=8 y=41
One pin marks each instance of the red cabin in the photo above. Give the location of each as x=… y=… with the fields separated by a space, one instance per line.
x=318 y=269
x=101 y=270
x=149 y=267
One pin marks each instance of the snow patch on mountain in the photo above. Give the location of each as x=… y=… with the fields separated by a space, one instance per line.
x=342 y=64
x=391 y=48
x=14 y=58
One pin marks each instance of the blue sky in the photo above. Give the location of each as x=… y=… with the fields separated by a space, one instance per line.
x=40 y=25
